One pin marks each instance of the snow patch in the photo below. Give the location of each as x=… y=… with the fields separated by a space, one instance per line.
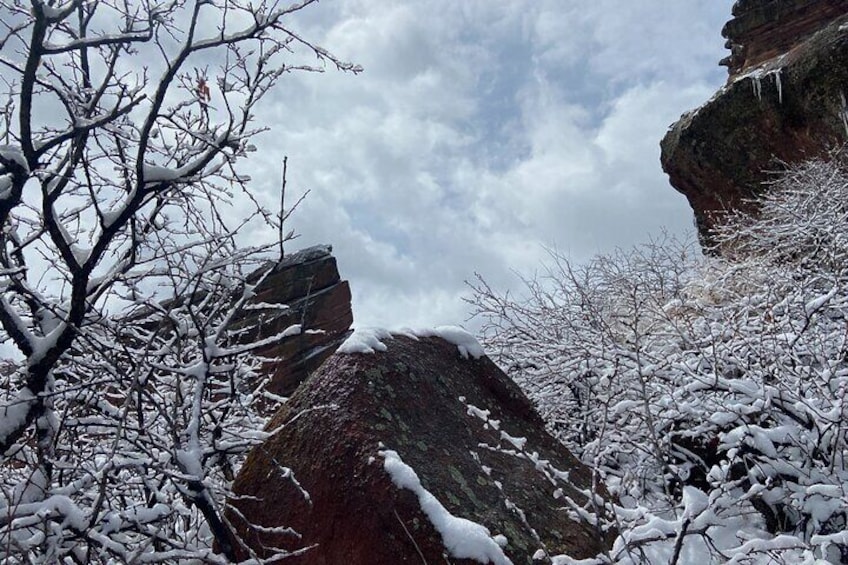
x=483 y=415
x=462 y=538
x=81 y=254
x=365 y=340
x=54 y=13
x=369 y=340
x=14 y=154
x=517 y=442
x=155 y=173
x=13 y=415
x=817 y=303
x=467 y=343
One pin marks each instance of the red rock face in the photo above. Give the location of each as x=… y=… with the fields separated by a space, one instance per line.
x=308 y=283
x=784 y=103
x=764 y=29
x=414 y=399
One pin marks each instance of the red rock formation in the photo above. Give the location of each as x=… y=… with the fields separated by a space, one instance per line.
x=764 y=29
x=785 y=102
x=308 y=283
x=466 y=430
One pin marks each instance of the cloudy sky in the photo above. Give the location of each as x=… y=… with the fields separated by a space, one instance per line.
x=482 y=132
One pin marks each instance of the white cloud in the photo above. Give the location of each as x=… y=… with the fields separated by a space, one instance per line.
x=482 y=131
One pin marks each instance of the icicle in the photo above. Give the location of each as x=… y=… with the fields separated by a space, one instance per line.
x=844 y=112
x=779 y=83
x=758 y=87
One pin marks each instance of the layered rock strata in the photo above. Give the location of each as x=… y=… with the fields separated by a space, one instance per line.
x=764 y=29
x=785 y=102
x=308 y=283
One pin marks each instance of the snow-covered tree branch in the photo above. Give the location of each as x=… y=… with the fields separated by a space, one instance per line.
x=709 y=394
x=120 y=137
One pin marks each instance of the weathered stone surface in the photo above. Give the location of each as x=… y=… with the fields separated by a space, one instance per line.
x=308 y=283
x=764 y=29
x=787 y=109
x=420 y=399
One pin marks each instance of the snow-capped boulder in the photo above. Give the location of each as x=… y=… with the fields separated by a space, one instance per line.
x=411 y=448
x=785 y=101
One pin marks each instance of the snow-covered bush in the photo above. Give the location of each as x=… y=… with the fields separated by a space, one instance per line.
x=709 y=394
x=128 y=406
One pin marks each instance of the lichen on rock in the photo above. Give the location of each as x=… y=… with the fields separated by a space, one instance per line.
x=456 y=422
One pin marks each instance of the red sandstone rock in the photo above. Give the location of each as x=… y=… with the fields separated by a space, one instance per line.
x=420 y=399
x=773 y=111
x=764 y=29
x=308 y=283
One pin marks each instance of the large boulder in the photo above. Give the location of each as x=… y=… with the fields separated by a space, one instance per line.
x=420 y=450
x=785 y=101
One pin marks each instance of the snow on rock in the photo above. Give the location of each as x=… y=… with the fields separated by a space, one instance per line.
x=443 y=414
x=369 y=340
x=365 y=340
x=517 y=442
x=760 y=28
x=463 y=538
x=482 y=414
x=467 y=343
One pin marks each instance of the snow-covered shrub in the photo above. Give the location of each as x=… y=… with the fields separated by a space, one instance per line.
x=709 y=394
